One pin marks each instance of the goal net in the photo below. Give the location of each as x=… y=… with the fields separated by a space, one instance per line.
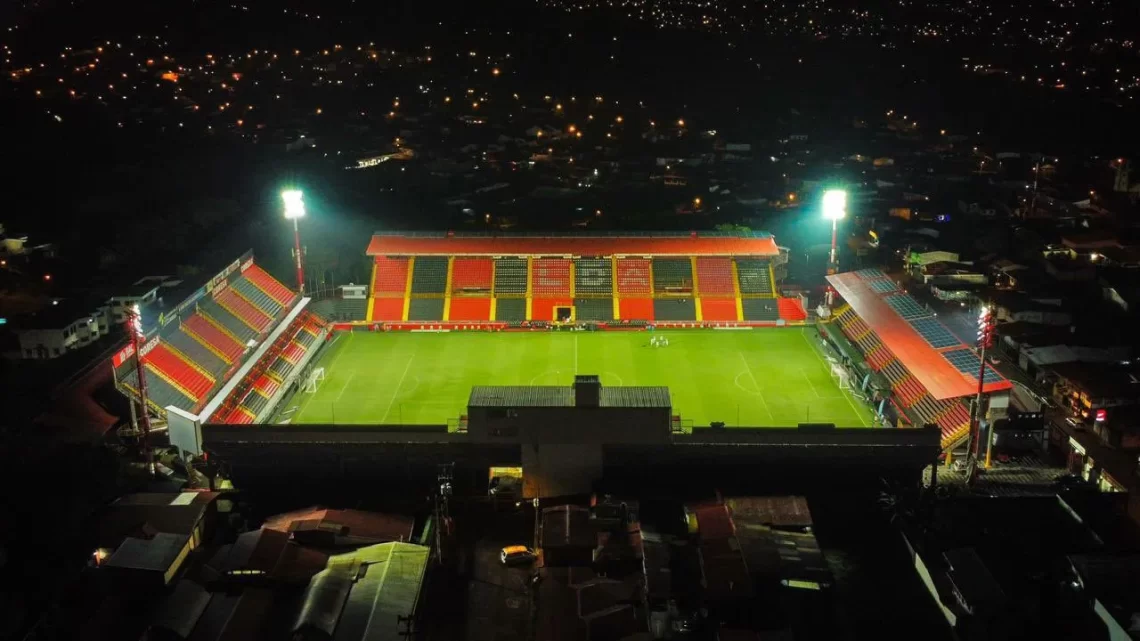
x=840 y=376
x=313 y=381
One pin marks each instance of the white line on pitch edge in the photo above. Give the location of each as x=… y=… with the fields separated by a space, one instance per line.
x=823 y=362
x=346 y=382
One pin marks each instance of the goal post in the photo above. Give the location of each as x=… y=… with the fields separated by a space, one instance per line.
x=840 y=375
x=313 y=380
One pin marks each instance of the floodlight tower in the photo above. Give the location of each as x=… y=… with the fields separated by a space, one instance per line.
x=135 y=330
x=986 y=324
x=834 y=209
x=295 y=210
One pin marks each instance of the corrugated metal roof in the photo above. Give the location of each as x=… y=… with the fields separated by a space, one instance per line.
x=552 y=396
x=389 y=589
x=521 y=396
x=635 y=397
x=181 y=609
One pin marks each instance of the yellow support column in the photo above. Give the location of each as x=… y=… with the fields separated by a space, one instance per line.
x=529 y=285
x=372 y=293
x=571 y=278
x=736 y=292
x=772 y=279
x=696 y=291
x=652 y=289
x=614 y=288
x=494 y=301
x=408 y=288
x=447 y=289
x=494 y=307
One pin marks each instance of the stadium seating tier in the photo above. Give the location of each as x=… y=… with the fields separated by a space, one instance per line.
x=755 y=275
x=260 y=299
x=208 y=333
x=714 y=276
x=543 y=308
x=672 y=275
x=179 y=372
x=189 y=347
x=387 y=309
x=593 y=277
x=593 y=309
x=510 y=276
x=391 y=277
x=718 y=309
x=245 y=310
x=636 y=309
x=470 y=309
x=679 y=309
x=425 y=309
x=550 y=277
x=429 y=275
x=760 y=309
x=510 y=309
x=472 y=275
x=633 y=276
x=270 y=285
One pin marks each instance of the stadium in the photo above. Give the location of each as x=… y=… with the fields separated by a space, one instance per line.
x=673 y=335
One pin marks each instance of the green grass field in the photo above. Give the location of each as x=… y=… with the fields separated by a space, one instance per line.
x=768 y=377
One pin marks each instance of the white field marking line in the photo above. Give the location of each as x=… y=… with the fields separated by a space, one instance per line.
x=305 y=402
x=346 y=382
x=398 y=386
x=756 y=385
x=815 y=351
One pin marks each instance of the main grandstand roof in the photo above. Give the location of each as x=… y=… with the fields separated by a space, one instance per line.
x=944 y=365
x=554 y=244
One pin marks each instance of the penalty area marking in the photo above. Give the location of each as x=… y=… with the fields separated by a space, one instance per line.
x=822 y=362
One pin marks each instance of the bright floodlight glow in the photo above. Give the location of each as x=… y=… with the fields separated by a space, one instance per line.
x=834 y=204
x=294 y=204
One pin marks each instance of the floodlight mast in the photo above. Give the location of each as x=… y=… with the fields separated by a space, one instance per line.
x=834 y=209
x=135 y=330
x=295 y=210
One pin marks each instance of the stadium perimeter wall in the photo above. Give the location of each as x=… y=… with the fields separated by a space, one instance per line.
x=267 y=455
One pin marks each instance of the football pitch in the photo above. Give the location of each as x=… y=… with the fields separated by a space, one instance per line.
x=771 y=377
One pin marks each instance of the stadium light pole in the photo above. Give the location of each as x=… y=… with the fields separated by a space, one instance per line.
x=834 y=209
x=985 y=341
x=295 y=210
x=135 y=330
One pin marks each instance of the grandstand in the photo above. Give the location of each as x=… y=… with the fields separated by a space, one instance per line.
x=450 y=277
x=224 y=351
x=932 y=374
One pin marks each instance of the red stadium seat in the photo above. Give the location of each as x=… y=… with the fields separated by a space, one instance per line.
x=550 y=277
x=636 y=308
x=791 y=309
x=171 y=366
x=213 y=337
x=543 y=308
x=269 y=285
x=633 y=277
x=472 y=275
x=387 y=309
x=714 y=277
x=391 y=277
x=244 y=310
x=718 y=309
x=470 y=309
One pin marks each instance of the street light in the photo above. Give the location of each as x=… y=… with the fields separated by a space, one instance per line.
x=295 y=210
x=834 y=209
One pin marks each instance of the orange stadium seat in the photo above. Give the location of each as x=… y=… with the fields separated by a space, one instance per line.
x=472 y=275
x=718 y=309
x=714 y=277
x=391 y=276
x=470 y=309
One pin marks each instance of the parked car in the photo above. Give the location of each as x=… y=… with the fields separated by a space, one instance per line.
x=517 y=555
